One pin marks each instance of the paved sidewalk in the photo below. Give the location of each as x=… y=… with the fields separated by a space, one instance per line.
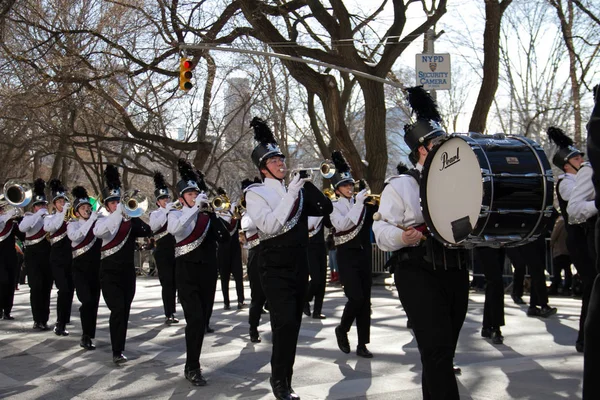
x=538 y=360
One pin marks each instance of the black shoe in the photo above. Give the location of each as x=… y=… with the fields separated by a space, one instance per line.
x=293 y=394
x=174 y=319
x=168 y=321
x=517 y=299
x=227 y=306
x=318 y=316
x=342 y=339
x=209 y=329
x=307 y=309
x=60 y=330
x=579 y=347
x=362 y=351
x=533 y=312
x=497 y=337
x=547 y=311
x=241 y=305
x=86 y=343
x=456 y=369
x=486 y=333
x=195 y=377
x=8 y=317
x=409 y=324
x=254 y=336
x=119 y=359
x=36 y=325
x=43 y=326
x=280 y=389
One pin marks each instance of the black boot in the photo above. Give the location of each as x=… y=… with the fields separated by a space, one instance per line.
x=281 y=389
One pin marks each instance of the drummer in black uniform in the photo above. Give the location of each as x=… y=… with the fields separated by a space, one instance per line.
x=352 y=221
x=117 y=271
x=281 y=215
x=164 y=254
x=86 y=263
x=196 y=232
x=434 y=294
x=60 y=255
x=8 y=261
x=257 y=295
x=37 y=256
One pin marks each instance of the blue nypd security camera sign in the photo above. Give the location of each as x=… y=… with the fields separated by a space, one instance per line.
x=433 y=71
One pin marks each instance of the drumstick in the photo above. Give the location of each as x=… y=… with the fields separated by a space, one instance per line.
x=378 y=217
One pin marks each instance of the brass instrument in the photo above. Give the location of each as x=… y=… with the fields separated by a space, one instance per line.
x=372 y=199
x=70 y=214
x=330 y=193
x=17 y=194
x=134 y=203
x=177 y=205
x=327 y=170
x=221 y=203
x=6 y=207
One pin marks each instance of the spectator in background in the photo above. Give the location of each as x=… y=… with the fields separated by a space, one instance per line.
x=561 y=260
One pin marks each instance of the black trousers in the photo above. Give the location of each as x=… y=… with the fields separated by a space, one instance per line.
x=492 y=261
x=118 y=288
x=86 y=277
x=317 y=269
x=533 y=255
x=229 y=259
x=284 y=277
x=560 y=263
x=196 y=284
x=436 y=304
x=165 y=262
x=518 y=275
x=355 y=274
x=7 y=280
x=61 y=261
x=39 y=276
x=591 y=361
x=257 y=293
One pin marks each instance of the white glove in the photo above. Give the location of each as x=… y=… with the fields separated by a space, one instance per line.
x=361 y=196
x=66 y=207
x=201 y=200
x=94 y=215
x=169 y=206
x=43 y=211
x=296 y=184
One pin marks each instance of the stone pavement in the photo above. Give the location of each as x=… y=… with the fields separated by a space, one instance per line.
x=538 y=360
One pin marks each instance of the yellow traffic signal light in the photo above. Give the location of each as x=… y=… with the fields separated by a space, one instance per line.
x=185 y=74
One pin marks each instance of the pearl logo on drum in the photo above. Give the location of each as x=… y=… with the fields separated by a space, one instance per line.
x=448 y=161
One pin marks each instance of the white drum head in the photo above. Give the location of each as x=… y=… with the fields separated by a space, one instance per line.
x=454 y=190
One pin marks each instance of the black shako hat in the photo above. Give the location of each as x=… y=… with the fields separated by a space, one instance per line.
x=566 y=150
x=39 y=195
x=428 y=119
x=342 y=170
x=58 y=190
x=267 y=146
x=81 y=197
x=160 y=186
x=112 y=191
x=190 y=179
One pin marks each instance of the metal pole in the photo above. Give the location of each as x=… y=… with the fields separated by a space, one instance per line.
x=428 y=49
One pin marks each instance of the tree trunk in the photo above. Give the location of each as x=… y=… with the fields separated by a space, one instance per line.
x=375 y=142
x=491 y=60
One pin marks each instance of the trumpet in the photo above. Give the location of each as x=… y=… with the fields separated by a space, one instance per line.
x=372 y=199
x=327 y=170
x=134 y=203
x=17 y=194
x=221 y=203
x=330 y=194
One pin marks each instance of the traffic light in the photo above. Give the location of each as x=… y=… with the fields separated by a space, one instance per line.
x=185 y=74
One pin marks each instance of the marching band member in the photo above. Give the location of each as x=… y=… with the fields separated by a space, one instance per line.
x=257 y=294
x=229 y=257
x=352 y=222
x=164 y=254
x=8 y=261
x=281 y=216
x=317 y=265
x=433 y=282
x=60 y=255
x=117 y=268
x=37 y=256
x=85 y=250
x=196 y=234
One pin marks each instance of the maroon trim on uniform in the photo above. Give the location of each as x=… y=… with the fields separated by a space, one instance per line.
x=253 y=237
x=60 y=231
x=120 y=236
x=87 y=239
x=41 y=233
x=162 y=229
x=199 y=229
x=344 y=233
x=7 y=228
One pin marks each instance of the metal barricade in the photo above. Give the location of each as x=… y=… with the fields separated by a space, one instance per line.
x=378 y=259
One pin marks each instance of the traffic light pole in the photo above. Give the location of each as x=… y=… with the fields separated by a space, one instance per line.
x=192 y=47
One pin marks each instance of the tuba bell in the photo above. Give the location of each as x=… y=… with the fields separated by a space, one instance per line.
x=134 y=203
x=17 y=194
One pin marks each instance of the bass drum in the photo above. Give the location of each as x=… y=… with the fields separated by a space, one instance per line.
x=487 y=190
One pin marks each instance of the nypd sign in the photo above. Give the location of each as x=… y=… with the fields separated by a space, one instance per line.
x=433 y=71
